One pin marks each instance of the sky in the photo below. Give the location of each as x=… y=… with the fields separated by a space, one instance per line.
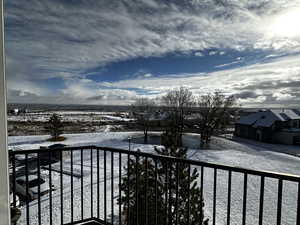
x=112 y=52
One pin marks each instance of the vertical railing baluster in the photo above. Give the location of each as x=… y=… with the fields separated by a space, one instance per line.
x=105 y=212
x=98 y=185
x=189 y=183
x=128 y=189
x=120 y=180
x=61 y=190
x=143 y=172
x=27 y=190
x=92 y=199
x=39 y=186
x=214 y=196
x=201 y=191
x=166 y=192
x=156 y=193
x=279 y=202
x=112 y=187
x=245 y=199
x=137 y=189
x=229 y=197
x=177 y=193
x=172 y=189
x=298 y=205
x=146 y=190
x=72 y=188
x=50 y=186
x=14 y=179
x=261 y=200
x=81 y=182
x=172 y=209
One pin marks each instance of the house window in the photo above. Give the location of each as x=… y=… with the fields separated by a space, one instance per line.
x=295 y=124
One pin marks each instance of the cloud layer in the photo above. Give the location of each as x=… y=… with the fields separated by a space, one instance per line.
x=64 y=39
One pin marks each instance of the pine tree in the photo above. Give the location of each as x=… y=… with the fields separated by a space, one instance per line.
x=55 y=126
x=142 y=172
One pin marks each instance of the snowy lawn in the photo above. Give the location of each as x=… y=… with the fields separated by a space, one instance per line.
x=222 y=151
x=70 y=116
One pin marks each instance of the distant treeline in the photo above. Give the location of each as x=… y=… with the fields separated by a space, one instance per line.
x=98 y=108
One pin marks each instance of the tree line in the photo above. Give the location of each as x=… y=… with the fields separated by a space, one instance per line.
x=171 y=191
x=208 y=114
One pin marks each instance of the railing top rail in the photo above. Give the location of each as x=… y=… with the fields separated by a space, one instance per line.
x=264 y=173
x=29 y=151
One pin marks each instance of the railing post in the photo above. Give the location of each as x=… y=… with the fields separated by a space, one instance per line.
x=298 y=205
x=4 y=181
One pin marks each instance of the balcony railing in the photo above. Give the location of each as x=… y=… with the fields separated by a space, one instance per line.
x=80 y=184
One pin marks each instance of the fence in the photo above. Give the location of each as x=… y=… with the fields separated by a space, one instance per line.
x=116 y=186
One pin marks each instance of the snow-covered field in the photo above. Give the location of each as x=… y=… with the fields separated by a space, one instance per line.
x=223 y=151
x=71 y=116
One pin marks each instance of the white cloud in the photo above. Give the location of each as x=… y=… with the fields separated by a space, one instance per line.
x=271 y=84
x=147 y=75
x=280 y=96
x=277 y=73
x=199 y=54
x=257 y=101
x=212 y=52
x=59 y=39
x=227 y=64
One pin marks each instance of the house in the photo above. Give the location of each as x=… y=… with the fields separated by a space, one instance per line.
x=273 y=126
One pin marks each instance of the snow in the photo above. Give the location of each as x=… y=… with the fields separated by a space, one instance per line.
x=72 y=113
x=117 y=118
x=234 y=153
x=287 y=149
x=264 y=119
x=268 y=117
x=286 y=114
x=70 y=116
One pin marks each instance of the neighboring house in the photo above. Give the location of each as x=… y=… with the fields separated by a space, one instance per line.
x=273 y=126
x=156 y=119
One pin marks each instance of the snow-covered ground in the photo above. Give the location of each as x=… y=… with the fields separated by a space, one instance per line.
x=223 y=151
x=71 y=116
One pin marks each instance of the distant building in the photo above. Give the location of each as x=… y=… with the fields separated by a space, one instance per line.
x=273 y=126
x=16 y=111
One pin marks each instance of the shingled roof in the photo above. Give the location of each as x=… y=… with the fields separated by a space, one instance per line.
x=269 y=117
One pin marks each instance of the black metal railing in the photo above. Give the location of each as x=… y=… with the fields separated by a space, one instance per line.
x=76 y=184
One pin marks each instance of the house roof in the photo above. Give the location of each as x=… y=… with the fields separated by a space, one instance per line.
x=269 y=117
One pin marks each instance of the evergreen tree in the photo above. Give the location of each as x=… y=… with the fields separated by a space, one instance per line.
x=55 y=126
x=172 y=199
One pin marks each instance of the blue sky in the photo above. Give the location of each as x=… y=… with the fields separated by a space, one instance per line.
x=114 y=51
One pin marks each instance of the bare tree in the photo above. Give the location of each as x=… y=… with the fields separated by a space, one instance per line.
x=143 y=109
x=214 y=114
x=177 y=103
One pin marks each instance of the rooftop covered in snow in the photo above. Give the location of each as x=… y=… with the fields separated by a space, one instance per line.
x=268 y=117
